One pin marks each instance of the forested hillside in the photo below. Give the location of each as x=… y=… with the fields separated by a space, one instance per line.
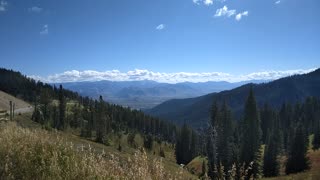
x=195 y=111
x=62 y=109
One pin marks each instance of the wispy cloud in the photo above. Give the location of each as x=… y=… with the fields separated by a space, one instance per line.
x=239 y=16
x=208 y=2
x=160 y=27
x=138 y=74
x=277 y=2
x=225 y=12
x=196 y=1
x=45 y=30
x=3 y=6
x=35 y=9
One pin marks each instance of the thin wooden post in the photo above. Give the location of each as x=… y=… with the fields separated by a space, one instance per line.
x=10 y=110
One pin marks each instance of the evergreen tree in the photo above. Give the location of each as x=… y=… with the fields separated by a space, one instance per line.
x=62 y=110
x=147 y=142
x=297 y=156
x=271 y=163
x=224 y=130
x=101 y=121
x=193 y=143
x=211 y=152
x=316 y=138
x=250 y=143
x=44 y=101
x=55 y=118
x=90 y=121
x=266 y=115
x=203 y=168
x=183 y=146
x=214 y=115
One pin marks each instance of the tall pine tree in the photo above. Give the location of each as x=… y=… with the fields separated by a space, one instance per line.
x=297 y=156
x=251 y=136
x=271 y=163
x=211 y=152
x=224 y=129
x=61 y=125
x=316 y=138
x=101 y=121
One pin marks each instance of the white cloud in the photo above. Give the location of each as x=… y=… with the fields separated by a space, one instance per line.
x=160 y=27
x=277 y=2
x=35 y=9
x=208 y=2
x=138 y=74
x=3 y=5
x=225 y=12
x=45 y=30
x=239 y=16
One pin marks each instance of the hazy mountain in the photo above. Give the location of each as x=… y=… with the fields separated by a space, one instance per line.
x=146 y=94
x=195 y=111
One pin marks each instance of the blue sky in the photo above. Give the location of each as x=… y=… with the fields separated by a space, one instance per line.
x=47 y=37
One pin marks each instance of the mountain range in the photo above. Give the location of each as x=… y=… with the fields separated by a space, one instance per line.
x=146 y=94
x=196 y=111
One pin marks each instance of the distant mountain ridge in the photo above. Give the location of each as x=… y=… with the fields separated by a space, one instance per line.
x=146 y=94
x=195 y=111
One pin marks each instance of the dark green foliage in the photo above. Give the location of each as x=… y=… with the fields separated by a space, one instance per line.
x=271 y=162
x=286 y=90
x=148 y=142
x=251 y=136
x=161 y=153
x=316 y=138
x=119 y=148
x=211 y=152
x=297 y=155
x=267 y=119
x=185 y=146
x=130 y=139
x=101 y=121
x=84 y=115
x=203 y=168
x=225 y=144
x=62 y=110
x=44 y=103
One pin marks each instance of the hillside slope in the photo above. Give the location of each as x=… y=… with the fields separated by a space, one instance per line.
x=65 y=155
x=19 y=104
x=195 y=111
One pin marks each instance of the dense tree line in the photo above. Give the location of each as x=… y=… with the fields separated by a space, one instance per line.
x=62 y=109
x=186 y=145
x=238 y=144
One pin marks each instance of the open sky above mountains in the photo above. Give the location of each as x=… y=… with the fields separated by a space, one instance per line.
x=165 y=41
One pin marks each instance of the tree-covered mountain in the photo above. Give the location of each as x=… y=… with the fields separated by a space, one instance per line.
x=85 y=113
x=146 y=94
x=195 y=111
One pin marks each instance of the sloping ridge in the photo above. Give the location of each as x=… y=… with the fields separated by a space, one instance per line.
x=195 y=111
x=5 y=98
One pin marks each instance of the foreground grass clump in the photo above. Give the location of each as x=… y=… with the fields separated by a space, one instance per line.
x=39 y=154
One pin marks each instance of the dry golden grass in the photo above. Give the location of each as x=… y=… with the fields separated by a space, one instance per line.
x=39 y=154
x=5 y=98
